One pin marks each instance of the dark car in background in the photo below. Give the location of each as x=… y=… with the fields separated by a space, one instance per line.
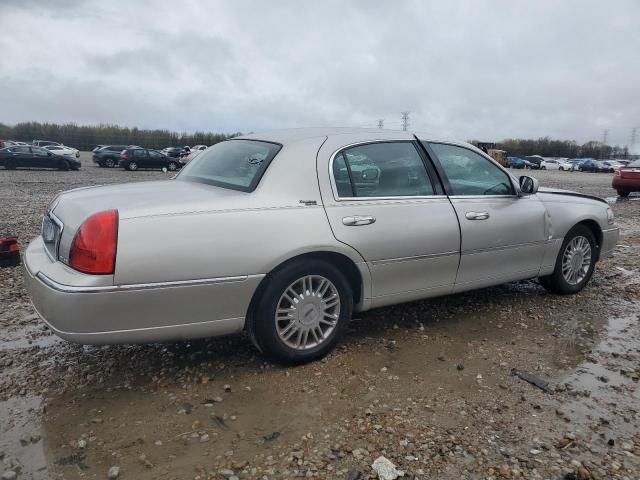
x=35 y=157
x=627 y=179
x=173 y=152
x=591 y=165
x=109 y=155
x=515 y=162
x=535 y=161
x=137 y=158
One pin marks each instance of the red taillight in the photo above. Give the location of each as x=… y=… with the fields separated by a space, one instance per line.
x=617 y=173
x=124 y=156
x=94 y=246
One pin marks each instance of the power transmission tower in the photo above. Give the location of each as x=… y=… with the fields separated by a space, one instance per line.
x=605 y=134
x=405 y=121
x=381 y=123
x=634 y=134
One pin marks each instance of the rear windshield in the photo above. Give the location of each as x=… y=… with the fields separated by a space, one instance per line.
x=235 y=164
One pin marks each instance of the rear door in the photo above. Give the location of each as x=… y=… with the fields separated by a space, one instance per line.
x=141 y=157
x=385 y=201
x=503 y=234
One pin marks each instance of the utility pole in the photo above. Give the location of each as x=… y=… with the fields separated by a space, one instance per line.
x=381 y=123
x=634 y=134
x=605 y=134
x=405 y=121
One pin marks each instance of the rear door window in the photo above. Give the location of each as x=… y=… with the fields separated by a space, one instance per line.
x=384 y=169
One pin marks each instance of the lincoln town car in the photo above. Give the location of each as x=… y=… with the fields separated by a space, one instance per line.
x=285 y=234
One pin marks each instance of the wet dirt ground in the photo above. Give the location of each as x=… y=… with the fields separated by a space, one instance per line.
x=427 y=385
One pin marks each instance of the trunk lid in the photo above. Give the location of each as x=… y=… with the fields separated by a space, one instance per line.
x=631 y=173
x=166 y=197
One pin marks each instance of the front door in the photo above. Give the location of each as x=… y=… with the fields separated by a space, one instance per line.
x=387 y=206
x=503 y=234
x=156 y=159
x=42 y=158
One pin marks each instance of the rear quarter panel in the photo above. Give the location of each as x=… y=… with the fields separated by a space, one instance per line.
x=271 y=226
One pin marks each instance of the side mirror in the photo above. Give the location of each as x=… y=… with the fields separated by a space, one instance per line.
x=528 y=185
x=370 y=174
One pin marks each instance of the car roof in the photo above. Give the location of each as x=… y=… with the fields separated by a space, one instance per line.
x=293 y=135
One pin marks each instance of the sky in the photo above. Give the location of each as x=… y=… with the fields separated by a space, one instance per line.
x=484 y=70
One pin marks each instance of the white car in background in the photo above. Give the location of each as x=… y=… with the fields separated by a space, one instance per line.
x=558 y=164
x=62 y=150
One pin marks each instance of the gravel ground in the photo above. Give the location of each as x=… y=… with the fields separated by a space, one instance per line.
x=426 y=385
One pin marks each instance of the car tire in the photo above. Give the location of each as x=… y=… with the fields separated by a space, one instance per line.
x=172 y=166
x=133 y=166
x=575 y=262
x=293 y=326
x=64 y=165
x=109 y=163
x=623 y=193
x=543 y=168
x=10 y=164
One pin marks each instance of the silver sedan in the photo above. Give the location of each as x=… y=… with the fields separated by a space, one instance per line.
x=284 y=234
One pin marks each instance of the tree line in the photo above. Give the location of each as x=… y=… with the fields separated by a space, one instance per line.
x=86 y=137
x=548 y=147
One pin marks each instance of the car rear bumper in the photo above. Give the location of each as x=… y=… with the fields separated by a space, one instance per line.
x=609 y=241
x=98 y=313
x=626 y=184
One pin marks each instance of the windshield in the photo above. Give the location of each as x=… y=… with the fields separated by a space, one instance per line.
x=235 y=164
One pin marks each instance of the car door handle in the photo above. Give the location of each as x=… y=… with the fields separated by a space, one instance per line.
x=477 y=215
x=357 y=220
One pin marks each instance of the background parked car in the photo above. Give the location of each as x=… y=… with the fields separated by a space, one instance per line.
x=565 y=166
x=198 y=147
x=173 y=152
x=596 y=166
x=536 y=161
x=66 y=151
x=97 y=147
x=44 y=143
x=515 y=162
x=36 y=157
x=136 y=158
x=613 y=164
x=109 y=155
x=627 y=179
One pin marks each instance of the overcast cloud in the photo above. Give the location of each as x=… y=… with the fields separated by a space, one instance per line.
x=483 y=70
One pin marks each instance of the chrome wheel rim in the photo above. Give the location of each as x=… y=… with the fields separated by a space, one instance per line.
x=576 y=260
x=307 y=312
x=172 y=166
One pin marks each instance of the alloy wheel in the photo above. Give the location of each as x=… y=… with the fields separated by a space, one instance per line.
x=307 y=312
x=576 y=260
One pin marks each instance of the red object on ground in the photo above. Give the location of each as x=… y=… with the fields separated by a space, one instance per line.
x=8 y=245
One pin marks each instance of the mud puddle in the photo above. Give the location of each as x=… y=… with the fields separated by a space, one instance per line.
x=605 y=391
x=21 y=441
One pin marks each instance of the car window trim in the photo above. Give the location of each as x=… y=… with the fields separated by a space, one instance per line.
x=449 y=189
x=334 y=187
